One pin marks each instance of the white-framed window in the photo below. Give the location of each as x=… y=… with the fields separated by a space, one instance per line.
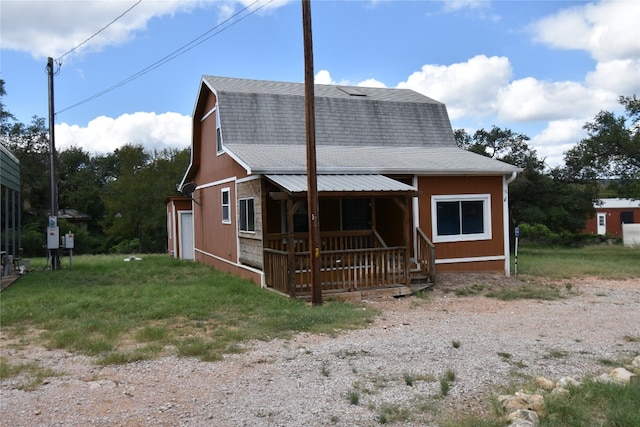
x=218 y=131
x=226 y=206
x=247 y=215
x=461 y=217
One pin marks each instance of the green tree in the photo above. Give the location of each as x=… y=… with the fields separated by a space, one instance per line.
x=501 y=144
x=80 y=186
x=30 y=144
x=5 y=117
x=610 y=151
x=536 y=196
x=135 y=217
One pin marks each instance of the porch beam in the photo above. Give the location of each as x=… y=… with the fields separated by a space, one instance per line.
x=283 y=195
x=279 y=195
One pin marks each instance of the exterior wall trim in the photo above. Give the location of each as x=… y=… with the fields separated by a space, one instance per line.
x=244 y=267
x=470 y=259
x=237 y=159
x=215 y=183
x=249 y=178
x=505 y=216
x=208 y=113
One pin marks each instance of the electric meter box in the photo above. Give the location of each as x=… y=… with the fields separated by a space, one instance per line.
x=53 y=238
x=68 y=240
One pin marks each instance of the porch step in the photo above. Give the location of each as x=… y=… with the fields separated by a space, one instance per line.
x=419 y=281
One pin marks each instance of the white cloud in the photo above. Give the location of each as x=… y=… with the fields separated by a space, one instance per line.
x=534 y=100
x=468 y=88
x=323 y=77
x=608 y=30
x=371 y=83
x=454 y=5
x=105 y=134
x=558 y=137
x=52 y=27
x=621 y=77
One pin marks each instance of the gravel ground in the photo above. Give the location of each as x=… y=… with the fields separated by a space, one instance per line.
x=309 y=380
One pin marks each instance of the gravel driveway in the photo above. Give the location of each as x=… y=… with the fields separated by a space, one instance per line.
x=392 y=368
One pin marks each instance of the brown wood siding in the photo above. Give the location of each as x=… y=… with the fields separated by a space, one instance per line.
x=449 y=185
x=213 y=236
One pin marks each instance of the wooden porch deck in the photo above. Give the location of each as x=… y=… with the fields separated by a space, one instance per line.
x=353 y=264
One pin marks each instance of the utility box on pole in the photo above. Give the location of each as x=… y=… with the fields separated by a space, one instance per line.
x=53 y=238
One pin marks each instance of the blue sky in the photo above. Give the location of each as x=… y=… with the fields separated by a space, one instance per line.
x=542 y=68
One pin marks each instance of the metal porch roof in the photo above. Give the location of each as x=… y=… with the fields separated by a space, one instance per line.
x=342 y=184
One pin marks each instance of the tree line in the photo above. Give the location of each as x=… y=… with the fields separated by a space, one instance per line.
x=123 y=192
x=558 y=201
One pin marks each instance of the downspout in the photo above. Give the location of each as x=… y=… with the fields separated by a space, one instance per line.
x=505 y=216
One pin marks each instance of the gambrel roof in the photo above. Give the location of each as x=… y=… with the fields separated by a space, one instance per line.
x=262 y=112
x=359 y=130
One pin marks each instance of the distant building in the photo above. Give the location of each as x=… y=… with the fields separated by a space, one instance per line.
x=611 y=214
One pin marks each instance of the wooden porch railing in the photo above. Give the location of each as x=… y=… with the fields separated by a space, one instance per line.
x=352 y=260
x=426 y=256
x=329 y=241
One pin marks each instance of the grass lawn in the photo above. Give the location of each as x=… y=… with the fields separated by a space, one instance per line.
x=121 y=312
x=604 y=261
x=125 y=311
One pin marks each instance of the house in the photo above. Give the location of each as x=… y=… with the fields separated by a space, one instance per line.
x=397 y=198
x=610 y=214
x=179 y=227
x=75 y=217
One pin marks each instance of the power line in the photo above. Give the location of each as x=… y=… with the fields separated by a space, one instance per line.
x=98 y=32
x=176 y=53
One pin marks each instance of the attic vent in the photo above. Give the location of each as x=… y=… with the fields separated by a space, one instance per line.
x=350 y=90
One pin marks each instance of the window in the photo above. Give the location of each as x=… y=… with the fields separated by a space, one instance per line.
x=463 y=217
x=226 y=207
x=218 y=132
x=247 y=215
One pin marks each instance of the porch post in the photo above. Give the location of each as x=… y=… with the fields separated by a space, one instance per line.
x=291 y=258
x=407 y=242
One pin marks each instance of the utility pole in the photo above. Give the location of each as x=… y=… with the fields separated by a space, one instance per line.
x=312 y=179
x=52 y=241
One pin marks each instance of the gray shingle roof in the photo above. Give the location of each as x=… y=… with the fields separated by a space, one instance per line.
x=358 y=160
x=385 y=131
x=263 y=112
